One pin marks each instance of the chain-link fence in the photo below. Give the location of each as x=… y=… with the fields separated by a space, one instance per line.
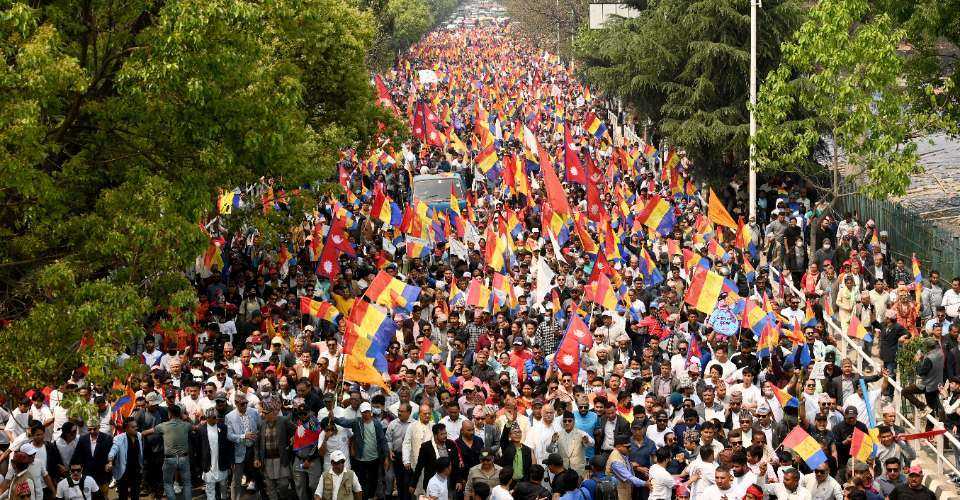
x=908 y=233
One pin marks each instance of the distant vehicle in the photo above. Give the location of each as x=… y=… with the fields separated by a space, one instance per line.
x=434 y=189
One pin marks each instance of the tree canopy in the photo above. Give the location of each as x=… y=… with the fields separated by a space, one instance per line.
x=838 y=108
x=684 y=65
x=120 y=120
x=544 y=20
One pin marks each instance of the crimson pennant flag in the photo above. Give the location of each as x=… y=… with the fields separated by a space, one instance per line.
x=338 y=238
x=383 y=96
x=419 y=125
x=595 y=210
x=307 y=435
x=555 y=193
x=579 y=330
x=433 y=137
x=571 y=161
x=329 y=264
x=568 y=356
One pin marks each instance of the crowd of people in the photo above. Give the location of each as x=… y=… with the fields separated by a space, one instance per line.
x=562 y=340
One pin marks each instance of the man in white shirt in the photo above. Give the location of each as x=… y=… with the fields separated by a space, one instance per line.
x=661 y=481
x=336 y=476
x=722 y=489
x=821 y=485
x=790 y=488
x=751 y=394
x=438 y=487
x=19 y=421
x=704 y=469
x=951 y=300
x=67 y=442
x=454 y=420
x=76 y=486
x=743 y=478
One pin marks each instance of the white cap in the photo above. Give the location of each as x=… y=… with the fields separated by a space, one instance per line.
x=337 y=456
x=29 y=449
x=365 y=406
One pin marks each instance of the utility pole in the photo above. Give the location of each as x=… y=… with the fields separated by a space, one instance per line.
x=753 y=102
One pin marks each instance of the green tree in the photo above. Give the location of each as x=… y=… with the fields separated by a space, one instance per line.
x=836 y=111
x=684 y=65
x=551 y=24
x=932 y=30
x=119 y=121
x=411 y=19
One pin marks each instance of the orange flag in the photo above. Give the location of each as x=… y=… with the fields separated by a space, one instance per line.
x=718 y=213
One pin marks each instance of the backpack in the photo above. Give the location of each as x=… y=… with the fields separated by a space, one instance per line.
x=606 y=489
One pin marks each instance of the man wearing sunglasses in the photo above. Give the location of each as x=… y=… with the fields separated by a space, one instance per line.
x=77 y=486
x=822 y=486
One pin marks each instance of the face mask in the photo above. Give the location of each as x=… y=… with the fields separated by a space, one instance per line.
x=377 y=412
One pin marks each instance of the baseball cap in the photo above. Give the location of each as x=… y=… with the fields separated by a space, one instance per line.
x=365 y=406
x=851 y=410
x=337 y=456
x=916 y=469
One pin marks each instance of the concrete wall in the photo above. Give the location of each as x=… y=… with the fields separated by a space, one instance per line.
x=601 y=12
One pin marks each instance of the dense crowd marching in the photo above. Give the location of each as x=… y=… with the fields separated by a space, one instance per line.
x=583 y=322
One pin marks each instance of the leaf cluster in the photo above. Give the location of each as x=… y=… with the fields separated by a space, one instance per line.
x=119 y=122
x=684 y=65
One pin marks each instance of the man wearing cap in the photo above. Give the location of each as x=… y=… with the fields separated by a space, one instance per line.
x=215 y=454
x=338 y=483
x=243 y=424
x=259 y=354
x=33 y=445
x=370 y=452
x=484 y=472
x=843 y=432
x=91 y=452
x=619 y=466
x=274 y=455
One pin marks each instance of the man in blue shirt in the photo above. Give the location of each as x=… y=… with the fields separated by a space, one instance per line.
x=586 y=420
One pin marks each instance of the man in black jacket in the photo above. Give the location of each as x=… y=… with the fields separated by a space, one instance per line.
x=610 y=425
x=510 y=449
x=430 y=452
x=214 y=454
x=91 y=452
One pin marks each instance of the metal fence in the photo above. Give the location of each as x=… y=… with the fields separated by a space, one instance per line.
x=908 y=234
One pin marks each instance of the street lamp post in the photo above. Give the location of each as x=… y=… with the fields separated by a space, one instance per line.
x=753 y=102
